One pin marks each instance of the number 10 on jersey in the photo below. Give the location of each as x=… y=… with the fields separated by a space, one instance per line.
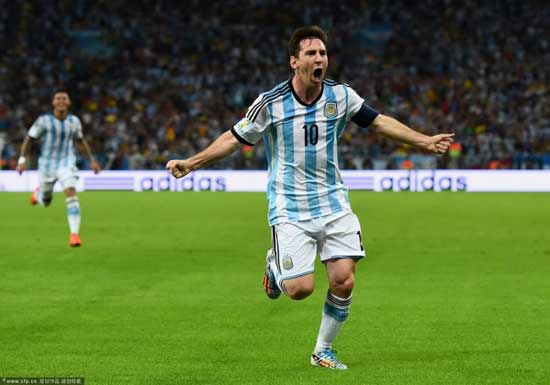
x=311 y=134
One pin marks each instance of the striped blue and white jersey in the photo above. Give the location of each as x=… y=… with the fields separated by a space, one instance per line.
x=56 y=141
x=300 y=142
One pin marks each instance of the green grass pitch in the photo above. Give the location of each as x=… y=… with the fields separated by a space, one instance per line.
x=167 y=290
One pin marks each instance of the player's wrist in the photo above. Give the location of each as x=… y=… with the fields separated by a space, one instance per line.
x=424 y=142
x=189 y=165
x=21 y=160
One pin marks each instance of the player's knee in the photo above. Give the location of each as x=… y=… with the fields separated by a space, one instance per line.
x=70 y=192
x=299 y=291
x=343 y=285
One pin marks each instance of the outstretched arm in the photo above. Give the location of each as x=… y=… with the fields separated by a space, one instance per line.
x=223 y=146
x=85 y=149
x=393 y=129
x=22 y=158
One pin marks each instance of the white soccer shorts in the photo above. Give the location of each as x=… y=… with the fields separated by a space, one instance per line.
x=67 y=176
x=296 y=244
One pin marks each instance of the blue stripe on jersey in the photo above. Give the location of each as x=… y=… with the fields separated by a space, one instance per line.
x=311 y=163
x=69 y=151
x=273 y=162
x=70 y=148
x=331 y=160
x=267 y=146
x=288 y=177
x=346 y=196
x=343 y=121
x=62 y=140
x=49 y=149
x=69 y=140
x=57 y=144
x=43 y=136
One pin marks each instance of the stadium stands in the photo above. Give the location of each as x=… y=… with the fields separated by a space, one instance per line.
x=161 y=79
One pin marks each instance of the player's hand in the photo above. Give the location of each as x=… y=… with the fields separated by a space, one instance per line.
x=94 y=165
x=440 y=143
x=20 y=168
x=178 y=168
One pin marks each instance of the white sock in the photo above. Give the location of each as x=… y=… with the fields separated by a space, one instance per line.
x=335 y=312
x=73 y=214
x=38 y=196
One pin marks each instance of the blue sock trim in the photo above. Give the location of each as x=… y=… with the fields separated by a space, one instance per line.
x=73 y=207
x=339 y=315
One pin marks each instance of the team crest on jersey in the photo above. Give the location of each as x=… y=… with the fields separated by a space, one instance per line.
x=287 y=262
x=331 y=110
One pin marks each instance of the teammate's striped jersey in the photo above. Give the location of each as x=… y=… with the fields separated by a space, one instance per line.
x=56 y=141
x=300 y=142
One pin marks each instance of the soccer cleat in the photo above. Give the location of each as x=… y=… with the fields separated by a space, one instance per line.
x=34 y=200
x=270 y=285
x=327 y=359
x=74 y=240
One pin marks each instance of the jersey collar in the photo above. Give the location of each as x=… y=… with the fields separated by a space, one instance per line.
x=300 y=100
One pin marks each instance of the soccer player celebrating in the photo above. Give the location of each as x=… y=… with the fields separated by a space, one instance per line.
x=57 y=161
x=300 y=121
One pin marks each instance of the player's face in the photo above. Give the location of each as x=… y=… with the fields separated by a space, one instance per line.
x=312 y=62
x=61 y=101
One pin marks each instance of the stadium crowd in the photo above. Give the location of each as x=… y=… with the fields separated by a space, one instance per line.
x=157 y=79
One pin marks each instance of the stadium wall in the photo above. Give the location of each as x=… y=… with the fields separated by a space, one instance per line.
x=223 y=180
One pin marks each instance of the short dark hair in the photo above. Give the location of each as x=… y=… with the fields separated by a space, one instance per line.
x=60 y=90
x=302 y=33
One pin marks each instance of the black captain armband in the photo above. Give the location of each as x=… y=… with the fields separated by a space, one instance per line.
x=365 y=116
x=240 y=138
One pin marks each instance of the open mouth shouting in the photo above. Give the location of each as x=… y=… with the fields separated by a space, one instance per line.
x=318 y=74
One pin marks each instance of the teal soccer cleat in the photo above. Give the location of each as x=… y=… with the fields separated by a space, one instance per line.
x=327 y=359
x=269 y=282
